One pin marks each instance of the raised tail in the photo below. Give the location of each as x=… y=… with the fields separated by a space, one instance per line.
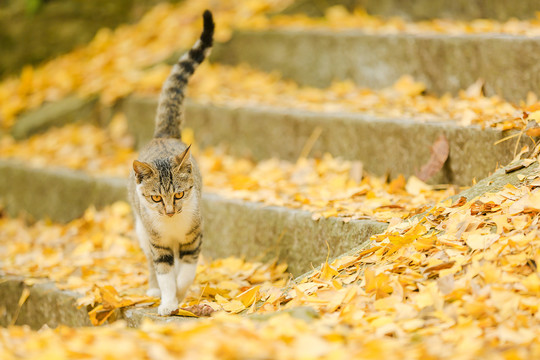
x=169 y=112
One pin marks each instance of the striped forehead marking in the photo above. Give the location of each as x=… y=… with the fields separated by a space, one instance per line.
x=163 y=167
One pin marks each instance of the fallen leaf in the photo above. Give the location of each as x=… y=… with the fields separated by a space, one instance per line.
x=183 y=312
x=249 y=296
x=439 y=154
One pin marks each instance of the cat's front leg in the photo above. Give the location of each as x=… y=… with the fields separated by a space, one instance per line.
x=146 y=244
x=153 y=286
x=163 y=259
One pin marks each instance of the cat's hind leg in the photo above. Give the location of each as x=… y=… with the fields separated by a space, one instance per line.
x=184 y=279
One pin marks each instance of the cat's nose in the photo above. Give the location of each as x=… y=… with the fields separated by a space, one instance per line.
x=169 y=214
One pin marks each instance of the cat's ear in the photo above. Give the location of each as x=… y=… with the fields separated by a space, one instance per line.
x=142 y=170
x=182 y=158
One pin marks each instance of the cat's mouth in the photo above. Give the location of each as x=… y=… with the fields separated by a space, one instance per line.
x=172 y=214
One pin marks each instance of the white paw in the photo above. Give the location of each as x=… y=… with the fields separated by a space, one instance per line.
x=167 y=308
x=154 y=292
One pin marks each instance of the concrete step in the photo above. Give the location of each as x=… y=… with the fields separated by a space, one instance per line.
x=513 y=174
x=384 y=146
x=500 y=10
x=445 y=63
x=231 y=227
x=46 y=304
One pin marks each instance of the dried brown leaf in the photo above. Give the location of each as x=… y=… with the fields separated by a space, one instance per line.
x=439 y=154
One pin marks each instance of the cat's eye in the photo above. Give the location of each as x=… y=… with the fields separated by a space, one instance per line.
x=178 y=196
x=156 y=198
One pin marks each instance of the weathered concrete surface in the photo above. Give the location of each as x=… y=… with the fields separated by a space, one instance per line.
x=445 y=63
x=134 y=316
x=501 y=10
x=499 y=180
x=385 y=146
x=46 y=305
x=58 y=114
x=232 y=227
x=140 y=113
x=266 y=232
x=58 y=194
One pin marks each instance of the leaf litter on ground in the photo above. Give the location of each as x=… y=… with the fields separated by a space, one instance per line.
x=462 y=278
x=97 y=255
x=326 y=186
x=130 y=59
x=460 y=281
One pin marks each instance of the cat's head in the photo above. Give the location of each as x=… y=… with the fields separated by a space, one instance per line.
x=165 y=185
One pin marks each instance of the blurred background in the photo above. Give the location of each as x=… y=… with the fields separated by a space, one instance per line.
x=36 y=30
x=32 y=31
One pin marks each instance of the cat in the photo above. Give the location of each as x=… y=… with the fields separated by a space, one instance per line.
x=165 y=188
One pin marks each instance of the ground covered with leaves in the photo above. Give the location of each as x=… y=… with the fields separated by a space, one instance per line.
x=130 y=59
x=461 y=281
x=326 y=187
x=449 y=279
x=97 y=255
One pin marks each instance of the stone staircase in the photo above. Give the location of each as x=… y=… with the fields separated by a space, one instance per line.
x=500 y=10
x=445 y=63
x=386 y=146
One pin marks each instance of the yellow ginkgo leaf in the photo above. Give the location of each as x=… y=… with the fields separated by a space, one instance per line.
x=249 y=296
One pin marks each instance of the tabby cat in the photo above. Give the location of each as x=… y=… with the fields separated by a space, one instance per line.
x=165 y=188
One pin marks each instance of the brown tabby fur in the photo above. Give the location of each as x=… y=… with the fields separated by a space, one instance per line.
x=165 y=188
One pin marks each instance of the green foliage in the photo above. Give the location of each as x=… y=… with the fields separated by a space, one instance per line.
x=33 y=6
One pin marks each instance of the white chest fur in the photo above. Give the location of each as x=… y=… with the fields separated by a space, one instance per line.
x=172 y=231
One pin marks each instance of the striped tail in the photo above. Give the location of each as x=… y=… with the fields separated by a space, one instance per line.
x=169 y=112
